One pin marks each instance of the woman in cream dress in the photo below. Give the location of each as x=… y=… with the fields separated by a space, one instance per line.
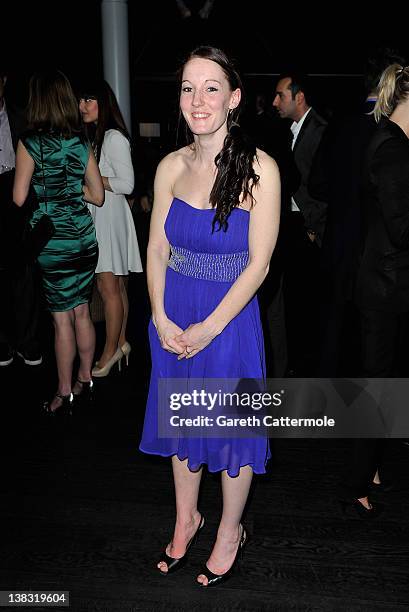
x=115 y=229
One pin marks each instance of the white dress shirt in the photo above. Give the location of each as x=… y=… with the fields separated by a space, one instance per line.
x=295 y=128
x=7 y=155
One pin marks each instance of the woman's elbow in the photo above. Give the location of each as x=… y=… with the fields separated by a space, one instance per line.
x=121 y=185
x=158 y=251
x=19 y=198
x=100 y=198
x=128 y=187
x=264 y=271
x=260 y=269
x=96 y=197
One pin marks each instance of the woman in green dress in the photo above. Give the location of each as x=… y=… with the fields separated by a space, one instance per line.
x=58 y=161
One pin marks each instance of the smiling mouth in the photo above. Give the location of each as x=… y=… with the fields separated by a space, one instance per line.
x=200 y=115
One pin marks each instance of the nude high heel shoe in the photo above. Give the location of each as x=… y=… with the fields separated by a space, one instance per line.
x=98 y=372
x=126 y=349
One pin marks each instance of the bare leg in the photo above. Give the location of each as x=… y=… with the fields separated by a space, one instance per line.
x=85 y=336
x=187 y=485
x=235 y=494
x=108 y=287
x=125 y=304
x=376 y=478
x=365 y=502
x=65 y=351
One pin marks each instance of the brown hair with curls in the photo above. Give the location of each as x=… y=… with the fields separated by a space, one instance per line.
x=235 y=172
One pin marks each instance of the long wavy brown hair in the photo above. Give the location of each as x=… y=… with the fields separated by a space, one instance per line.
x=235 y=173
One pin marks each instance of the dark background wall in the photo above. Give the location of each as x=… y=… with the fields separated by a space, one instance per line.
x=264 y=37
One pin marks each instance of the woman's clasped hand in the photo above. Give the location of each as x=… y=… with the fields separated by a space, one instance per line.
x=185 y=343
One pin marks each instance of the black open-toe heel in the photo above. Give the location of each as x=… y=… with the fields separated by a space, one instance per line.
x=86 y=390
x=353 y=507
x=64 y=408
x=214 y=579
x=175 y=564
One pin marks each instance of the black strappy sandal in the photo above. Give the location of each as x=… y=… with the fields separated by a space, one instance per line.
x=215 y=579
x=87 y=388
x=175 y=564
x=64 y=408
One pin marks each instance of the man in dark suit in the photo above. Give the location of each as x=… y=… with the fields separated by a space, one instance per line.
x=303 y=224
x=20 y=303
x=292 y=102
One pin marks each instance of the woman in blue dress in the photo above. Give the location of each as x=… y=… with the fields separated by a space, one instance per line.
x=213 y=230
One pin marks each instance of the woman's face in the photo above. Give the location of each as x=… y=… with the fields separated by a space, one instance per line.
x=206 y=97
x=89 y=110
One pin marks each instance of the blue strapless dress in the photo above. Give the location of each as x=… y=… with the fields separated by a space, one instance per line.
x=202 y=267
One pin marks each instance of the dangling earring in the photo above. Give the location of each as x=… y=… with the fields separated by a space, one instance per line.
x=228 y=118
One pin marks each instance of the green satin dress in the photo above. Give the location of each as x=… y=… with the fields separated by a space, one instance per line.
x=69 y=259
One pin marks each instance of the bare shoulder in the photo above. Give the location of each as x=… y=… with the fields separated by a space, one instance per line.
x=264 y=165
x=174 y=162
x=268 y=187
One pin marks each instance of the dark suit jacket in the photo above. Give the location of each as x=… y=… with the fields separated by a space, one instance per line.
x=305 y=149
x=383 y=276
x=336 y=178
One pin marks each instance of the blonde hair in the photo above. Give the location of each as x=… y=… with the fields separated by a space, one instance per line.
x=393 y=88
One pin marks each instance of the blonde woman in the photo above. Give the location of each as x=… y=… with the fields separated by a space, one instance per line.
x=383 y=275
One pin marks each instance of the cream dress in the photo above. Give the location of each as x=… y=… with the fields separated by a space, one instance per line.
x=114 y=224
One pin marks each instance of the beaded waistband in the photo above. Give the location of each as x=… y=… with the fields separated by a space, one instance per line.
x=222 y=267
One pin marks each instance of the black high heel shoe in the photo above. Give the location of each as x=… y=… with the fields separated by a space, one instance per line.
x=351 y=507
x=86 y=390
x=214 y=579
x=64 y=408
x=175 y=564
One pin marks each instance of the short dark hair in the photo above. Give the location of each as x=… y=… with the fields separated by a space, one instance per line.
x=299 y=82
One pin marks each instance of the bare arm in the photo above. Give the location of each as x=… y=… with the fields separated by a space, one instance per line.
x=22 y=177
x=93 y=187
x=158 y=256
x=263 y=232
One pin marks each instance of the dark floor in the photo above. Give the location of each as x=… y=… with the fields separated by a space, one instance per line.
x=84 y=511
